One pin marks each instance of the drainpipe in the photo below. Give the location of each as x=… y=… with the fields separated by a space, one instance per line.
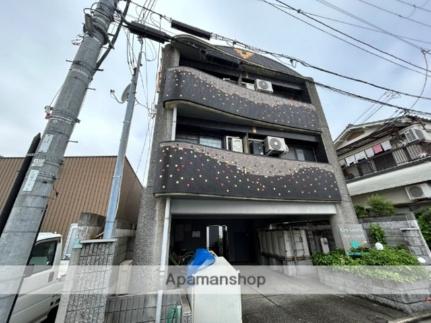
x=4 y=215
x=165 y=238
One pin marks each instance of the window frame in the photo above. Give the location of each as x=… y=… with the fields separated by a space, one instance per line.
x=50 y=264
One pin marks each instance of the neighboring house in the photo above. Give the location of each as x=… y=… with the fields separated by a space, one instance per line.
x=83 y=186
x=241 y=146
x=389 y=157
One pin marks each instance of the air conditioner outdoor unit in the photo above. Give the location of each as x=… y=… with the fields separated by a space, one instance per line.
x=275 y=146
x=419 y=191
x=234 y=144
x=263 y=86
x=413 y=134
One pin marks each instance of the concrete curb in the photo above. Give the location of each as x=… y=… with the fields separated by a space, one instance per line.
x=416 y=318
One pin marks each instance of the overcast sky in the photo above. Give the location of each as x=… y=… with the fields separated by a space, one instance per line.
x=37 y=40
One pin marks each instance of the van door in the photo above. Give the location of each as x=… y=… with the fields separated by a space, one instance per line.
x=40 y=289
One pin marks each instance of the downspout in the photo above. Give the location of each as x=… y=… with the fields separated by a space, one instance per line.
x=19 y=179
x=165 y=238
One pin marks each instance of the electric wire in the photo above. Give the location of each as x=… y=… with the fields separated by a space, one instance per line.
x=367 y=110
x=299 y=11
x=345 y=12
x=114 y=38
x=366 y=28
x=377 y=108
x=302 y=62
x=342 y=39
x=395 y=13
x=424 y=53
x=322 y=85
x=415 y=7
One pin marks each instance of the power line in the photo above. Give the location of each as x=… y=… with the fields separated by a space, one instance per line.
x=306 y=64
x=395 y=14
x=414 y=6
x=349 y=36
x=377 y=108
x=424 y=53
x=367 y=28
x=345 y=12
x=326 y=86
x=356 y=79
x=367 y=110
x=342 y=39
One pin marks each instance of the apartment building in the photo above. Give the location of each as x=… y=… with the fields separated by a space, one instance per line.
x=390 y=157
x=241 y=147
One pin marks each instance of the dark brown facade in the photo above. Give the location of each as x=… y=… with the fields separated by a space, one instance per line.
x=182 y=82
x=83 y=187
x=189 y=169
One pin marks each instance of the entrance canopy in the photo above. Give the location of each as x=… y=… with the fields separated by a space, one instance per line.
x=246 y=209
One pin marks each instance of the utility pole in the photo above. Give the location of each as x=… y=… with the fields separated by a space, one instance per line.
x=4 y=214
x=27 y=213
x=119 y=163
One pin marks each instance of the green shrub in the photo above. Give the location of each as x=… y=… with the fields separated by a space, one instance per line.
x=361 y=212
x=334 y=258
x=380 y=206
x=424 y=220
x=377 y=233
x=373 y=257
x=388 y=257
x=393 y=264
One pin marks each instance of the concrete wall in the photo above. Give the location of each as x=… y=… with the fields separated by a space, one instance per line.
x=401 y=230
x=407 y=297
x=139 y=308
x=87 y=290
x=345 y=211
x=152 y=209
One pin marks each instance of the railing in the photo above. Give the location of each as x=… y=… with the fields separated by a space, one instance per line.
x=190 y=169
x=401 y=157
x=191 y=85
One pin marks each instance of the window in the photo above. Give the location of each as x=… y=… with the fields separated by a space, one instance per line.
x=190 y=138
x=210 y=141
x=42 y=255
x=300 y=153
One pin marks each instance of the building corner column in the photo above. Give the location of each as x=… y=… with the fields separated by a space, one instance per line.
x=345 y=226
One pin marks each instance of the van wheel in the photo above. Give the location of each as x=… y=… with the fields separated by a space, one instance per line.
x=52 y=315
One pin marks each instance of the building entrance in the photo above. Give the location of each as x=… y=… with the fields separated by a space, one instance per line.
x=250 y=241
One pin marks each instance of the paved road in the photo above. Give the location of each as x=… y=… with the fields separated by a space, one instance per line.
x=314 y=308
x=308 y=300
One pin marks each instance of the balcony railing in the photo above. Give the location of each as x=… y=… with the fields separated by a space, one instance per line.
x=386 y=162
x=190 y=169
x=188 y=84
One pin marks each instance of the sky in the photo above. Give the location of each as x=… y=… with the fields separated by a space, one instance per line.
x=39 y=36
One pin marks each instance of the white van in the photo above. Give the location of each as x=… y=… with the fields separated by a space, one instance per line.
x=41 y=288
